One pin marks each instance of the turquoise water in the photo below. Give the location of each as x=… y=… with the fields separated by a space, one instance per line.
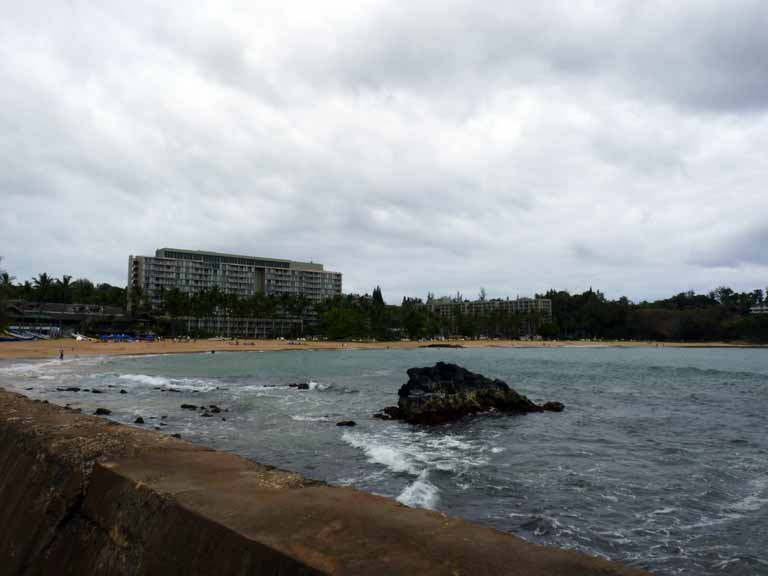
x=660 y=459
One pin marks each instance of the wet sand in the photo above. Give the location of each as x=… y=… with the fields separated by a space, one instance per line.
x=51 y=348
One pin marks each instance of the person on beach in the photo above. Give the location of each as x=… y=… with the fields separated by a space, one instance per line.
x=61 y=354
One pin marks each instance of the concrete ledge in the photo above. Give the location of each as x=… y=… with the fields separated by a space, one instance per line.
x=82 y=495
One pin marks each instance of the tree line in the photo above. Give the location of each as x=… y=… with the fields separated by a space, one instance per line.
x=722 y=314
x=44 y=288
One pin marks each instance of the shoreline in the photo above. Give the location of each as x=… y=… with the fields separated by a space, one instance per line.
x=97 y=496
x=49 y=349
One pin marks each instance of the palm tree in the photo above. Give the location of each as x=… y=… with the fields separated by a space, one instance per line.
x=64 y=288
x=42 y=285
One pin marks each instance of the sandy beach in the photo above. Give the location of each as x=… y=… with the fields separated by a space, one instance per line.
x=51 y=348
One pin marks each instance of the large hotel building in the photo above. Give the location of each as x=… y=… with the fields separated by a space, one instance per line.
x=447 y=308
x=193 y=271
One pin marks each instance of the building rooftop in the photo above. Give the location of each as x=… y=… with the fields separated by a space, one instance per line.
x=205 y=255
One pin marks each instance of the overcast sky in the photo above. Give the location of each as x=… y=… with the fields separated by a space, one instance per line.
x=424 y=145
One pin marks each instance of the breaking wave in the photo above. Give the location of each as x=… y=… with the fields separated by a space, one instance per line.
x=421 y=493
x=170 y=383
x=300 y=418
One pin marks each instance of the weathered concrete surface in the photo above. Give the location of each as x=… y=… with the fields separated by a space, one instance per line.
x=82 y=495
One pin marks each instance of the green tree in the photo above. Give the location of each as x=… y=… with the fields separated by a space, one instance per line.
x=82 y=291
x=42 y=285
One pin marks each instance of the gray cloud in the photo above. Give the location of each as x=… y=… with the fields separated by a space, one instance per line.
x=436 y=146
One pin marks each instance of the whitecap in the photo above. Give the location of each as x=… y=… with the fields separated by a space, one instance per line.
x=421 y=493
x=300 y=418
x=396 y=458
x=318 y=386
x=170 y=383
x=413 y=452
x=146 y=379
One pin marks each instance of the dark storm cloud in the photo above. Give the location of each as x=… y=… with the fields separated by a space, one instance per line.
x=436 y=146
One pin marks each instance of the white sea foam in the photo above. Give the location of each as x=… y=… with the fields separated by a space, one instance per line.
x=146 y=379
x=396 y=458
x=317 y=385
x=415 y=452
x=171 y=383
x=421 y=493
x=301 y=418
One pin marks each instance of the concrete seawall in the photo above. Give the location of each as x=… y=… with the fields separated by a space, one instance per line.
x=83 y=495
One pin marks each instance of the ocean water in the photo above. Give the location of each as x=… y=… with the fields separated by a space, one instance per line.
x=660 y=459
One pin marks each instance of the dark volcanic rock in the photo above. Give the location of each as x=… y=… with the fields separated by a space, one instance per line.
x=123 y=392
x=188 y=407
x=103 y=412
x=446 y=392
x=553 y=406
x=389 y=413
x=139 y=420
x=67 y=389
x=346 y=423
x=300 y=386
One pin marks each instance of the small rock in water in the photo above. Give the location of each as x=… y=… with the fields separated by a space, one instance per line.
x=346 y=423
x=553 y=406
x=123 y=392
x=97 y=391
x=389 y=413
x=300 y=385
x=206 y=415
x=188 y=407
x=214 y=409
x=67 y=389
x=139 y=420
x=103 y=412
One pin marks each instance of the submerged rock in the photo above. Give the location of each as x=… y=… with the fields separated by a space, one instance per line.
x=103 y=412
x=389 y=413
x=139 y=420
x=553 y=406
x=446 y=392
x=346 y=423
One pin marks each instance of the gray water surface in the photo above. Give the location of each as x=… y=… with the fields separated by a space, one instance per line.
x=660 y=459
